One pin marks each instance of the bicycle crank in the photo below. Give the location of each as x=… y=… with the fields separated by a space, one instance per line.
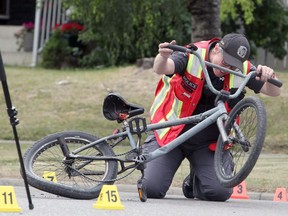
x=142 y=192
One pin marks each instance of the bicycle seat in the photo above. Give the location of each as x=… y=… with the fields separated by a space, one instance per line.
x=116 y=108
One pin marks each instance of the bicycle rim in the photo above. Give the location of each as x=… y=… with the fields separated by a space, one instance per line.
x=47 y=168
x=246 y=128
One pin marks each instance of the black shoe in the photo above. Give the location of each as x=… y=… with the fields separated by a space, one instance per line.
x=187 y=187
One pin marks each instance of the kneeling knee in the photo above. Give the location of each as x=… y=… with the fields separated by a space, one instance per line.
x=155 y=191
x=218 y=194
x=155 y=194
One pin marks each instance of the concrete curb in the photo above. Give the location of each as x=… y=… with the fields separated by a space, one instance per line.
x=133 y=189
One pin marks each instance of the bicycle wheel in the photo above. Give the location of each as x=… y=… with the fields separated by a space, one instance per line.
x=246 y=129
x=47 y=168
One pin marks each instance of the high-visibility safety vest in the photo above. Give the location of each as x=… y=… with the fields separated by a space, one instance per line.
x=177 y=96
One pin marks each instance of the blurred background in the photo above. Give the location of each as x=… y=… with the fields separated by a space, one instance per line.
x=97 y=33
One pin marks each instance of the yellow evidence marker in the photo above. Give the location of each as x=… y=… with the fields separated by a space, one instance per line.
x=109 y=199
x=8 y=202
x=50 y=176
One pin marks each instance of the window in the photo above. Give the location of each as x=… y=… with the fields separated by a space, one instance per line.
x=4 y=9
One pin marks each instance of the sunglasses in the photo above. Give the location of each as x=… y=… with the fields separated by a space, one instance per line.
x=227 y=65
x=224 y=64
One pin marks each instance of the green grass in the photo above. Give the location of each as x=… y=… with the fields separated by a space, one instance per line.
x=50 y=101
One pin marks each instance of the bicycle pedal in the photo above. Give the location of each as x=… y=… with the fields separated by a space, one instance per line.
x=142 y=192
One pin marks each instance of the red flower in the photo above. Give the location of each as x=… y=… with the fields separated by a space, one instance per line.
x=28 y=26
x=71 y=27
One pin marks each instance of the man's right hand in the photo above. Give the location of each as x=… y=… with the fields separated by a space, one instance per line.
x=165 y=52
x=163 y=64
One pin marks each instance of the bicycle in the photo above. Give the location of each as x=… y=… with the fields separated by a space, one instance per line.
x=82 y=163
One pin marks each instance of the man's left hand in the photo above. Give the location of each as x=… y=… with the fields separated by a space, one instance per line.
x=265 y=73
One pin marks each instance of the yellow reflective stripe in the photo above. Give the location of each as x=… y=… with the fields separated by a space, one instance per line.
x=235 y=81
x=200 y=68
x=176 y=109
x=161 y=96
x=194 y=66
x=173 y=114
x=245 y=67
x=231 y=80
x=190 y=61
x=162 y=132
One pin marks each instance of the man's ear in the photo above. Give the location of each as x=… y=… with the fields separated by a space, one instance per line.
x=217 y=48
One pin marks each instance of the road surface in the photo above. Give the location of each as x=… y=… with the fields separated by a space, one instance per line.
x=46 y=204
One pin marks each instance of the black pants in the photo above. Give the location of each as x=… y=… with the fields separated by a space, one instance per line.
x=159 y=173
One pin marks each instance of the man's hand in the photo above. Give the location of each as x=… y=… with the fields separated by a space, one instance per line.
x=265 y=73
x=163 y=64
x=165 y=52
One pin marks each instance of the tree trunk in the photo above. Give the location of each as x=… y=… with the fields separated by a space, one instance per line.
x=205 y=19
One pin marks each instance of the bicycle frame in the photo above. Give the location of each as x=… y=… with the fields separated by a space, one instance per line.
x=203 y=120
x=217 y=114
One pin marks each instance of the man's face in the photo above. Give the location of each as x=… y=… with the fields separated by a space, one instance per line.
x=219 y=60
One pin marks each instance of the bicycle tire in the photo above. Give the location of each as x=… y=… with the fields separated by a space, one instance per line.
x=78 y=183
x=235 y=161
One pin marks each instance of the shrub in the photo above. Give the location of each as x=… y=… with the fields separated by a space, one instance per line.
x=56 y=51
x=63 y=48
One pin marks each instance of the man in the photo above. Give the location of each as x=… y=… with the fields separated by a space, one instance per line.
x=183 y=83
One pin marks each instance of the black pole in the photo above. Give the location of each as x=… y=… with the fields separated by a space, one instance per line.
x=12 y=112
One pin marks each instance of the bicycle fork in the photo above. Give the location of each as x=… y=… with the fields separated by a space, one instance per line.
x=66 y=152
x=63 y=146
x=239 y=136
x=220 y=124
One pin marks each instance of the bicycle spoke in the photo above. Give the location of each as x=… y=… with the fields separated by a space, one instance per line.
x=246 y=129
x=70 y=171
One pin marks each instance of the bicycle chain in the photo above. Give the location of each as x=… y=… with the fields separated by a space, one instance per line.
x=111 y=180
x=118 y=155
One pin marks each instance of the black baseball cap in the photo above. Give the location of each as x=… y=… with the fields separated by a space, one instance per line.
x=236 y=49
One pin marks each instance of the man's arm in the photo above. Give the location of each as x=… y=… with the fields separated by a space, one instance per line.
x=162 y=63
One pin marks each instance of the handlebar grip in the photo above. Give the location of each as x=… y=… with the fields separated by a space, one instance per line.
x=275 y=82
x=183 y=49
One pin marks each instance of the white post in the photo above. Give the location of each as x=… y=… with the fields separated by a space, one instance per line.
x=54 y=14
x=48 y=23
x=44 y=21
x=59 y=9
x=36 y=32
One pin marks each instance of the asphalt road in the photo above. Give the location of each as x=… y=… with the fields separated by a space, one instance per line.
x=174 y=204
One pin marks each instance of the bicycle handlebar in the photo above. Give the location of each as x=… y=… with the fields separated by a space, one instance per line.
x=203 y=63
